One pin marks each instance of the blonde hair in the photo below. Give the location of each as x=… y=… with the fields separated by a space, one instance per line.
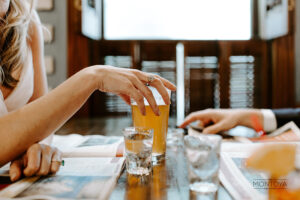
x=13 y=40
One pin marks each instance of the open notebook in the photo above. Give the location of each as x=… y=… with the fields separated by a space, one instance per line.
x=92 y=167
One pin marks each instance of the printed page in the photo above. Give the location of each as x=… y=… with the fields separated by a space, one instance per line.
x=243 y=183
x=89 y=146
x=80 y=178
x=287 y=133
x=240 y=182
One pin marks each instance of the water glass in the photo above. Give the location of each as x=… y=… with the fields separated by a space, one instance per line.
x=203 y=159
x=138 y=150
x=175 y=137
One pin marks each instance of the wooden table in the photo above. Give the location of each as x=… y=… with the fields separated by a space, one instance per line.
x=169 y=180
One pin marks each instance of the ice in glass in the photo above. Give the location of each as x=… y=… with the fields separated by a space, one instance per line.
x=138 y=150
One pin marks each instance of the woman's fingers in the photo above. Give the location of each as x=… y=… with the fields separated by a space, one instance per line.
x=45 y=160
x=56 y=161
x=143 y=76
x=147 y=94
x=15 y=170
x=37 y=161
x=215 y=128
x=200 y=115
x=34 y=154
x=168 y=84
x=138 y=98
x=126 y=98
x=157 y=83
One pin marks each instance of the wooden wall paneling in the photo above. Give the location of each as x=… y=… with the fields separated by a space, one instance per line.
x=78 y=50
x=283 y=67
x=224 y=73
x=201 y=48
x=200 y=84
x=249 y=47
x=136 y=55
x=262 y=91
x=114 y=48
x=158 y=50
x=97 y=100
x=265 y=80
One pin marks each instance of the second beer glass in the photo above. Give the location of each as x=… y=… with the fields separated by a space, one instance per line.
x=158 y=123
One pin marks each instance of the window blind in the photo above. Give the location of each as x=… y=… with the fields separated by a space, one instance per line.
x=203 y=82
x=242 y=81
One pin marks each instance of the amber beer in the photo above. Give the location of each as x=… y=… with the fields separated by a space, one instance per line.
x=158 y=123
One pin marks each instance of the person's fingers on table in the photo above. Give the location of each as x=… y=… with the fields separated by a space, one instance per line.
x=15 y=170
x=34 y=160
x=216 y=128
x=200 y=115
x=56 y=161
x=147 y=94
x=47 y=153
x=205 y=121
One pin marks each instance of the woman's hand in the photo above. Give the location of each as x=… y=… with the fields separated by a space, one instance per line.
x=129 y=83
x=217 y=120
x=39 y=160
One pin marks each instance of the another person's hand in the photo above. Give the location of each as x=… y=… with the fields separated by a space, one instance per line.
x=39 y=160
x=129 y=83
x=217 y=120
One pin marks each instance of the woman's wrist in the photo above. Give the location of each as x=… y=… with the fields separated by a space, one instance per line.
x=246 y=117
x=91 y=77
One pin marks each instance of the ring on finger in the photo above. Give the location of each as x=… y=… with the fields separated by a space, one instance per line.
x=61 y=162
x=150 y=79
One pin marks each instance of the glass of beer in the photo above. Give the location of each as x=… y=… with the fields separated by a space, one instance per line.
x=158 y=123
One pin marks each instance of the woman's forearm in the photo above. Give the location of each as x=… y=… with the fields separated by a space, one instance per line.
x=40 y=118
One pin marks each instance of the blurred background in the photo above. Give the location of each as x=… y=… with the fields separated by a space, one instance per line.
x=219 y=53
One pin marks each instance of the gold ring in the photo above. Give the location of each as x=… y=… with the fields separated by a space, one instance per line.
x=150 y=80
